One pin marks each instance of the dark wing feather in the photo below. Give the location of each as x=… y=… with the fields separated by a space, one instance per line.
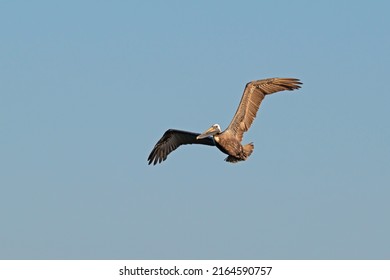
x=252 y=97
x=171 y=140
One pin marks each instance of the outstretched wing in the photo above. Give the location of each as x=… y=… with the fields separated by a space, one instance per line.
x=252 y=97
x=171 y=140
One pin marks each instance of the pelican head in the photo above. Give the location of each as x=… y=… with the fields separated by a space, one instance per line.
x=214 y=129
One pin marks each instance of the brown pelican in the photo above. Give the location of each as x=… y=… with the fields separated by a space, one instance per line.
x=229 y=140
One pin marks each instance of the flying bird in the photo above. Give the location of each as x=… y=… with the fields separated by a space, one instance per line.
x=229 y=140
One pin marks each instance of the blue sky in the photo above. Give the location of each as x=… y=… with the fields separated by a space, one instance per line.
x=88 y=87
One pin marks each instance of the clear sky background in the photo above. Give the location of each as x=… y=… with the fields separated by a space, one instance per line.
x=88 y=87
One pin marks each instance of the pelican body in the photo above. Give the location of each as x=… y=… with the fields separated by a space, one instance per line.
x=228 y=144
x=229 y=140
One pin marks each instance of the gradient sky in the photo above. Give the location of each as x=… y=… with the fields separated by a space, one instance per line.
x=88 y=87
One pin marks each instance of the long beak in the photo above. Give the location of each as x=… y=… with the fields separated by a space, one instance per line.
x=208 y=132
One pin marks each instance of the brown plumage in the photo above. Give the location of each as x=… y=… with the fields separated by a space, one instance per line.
x=228 y=141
